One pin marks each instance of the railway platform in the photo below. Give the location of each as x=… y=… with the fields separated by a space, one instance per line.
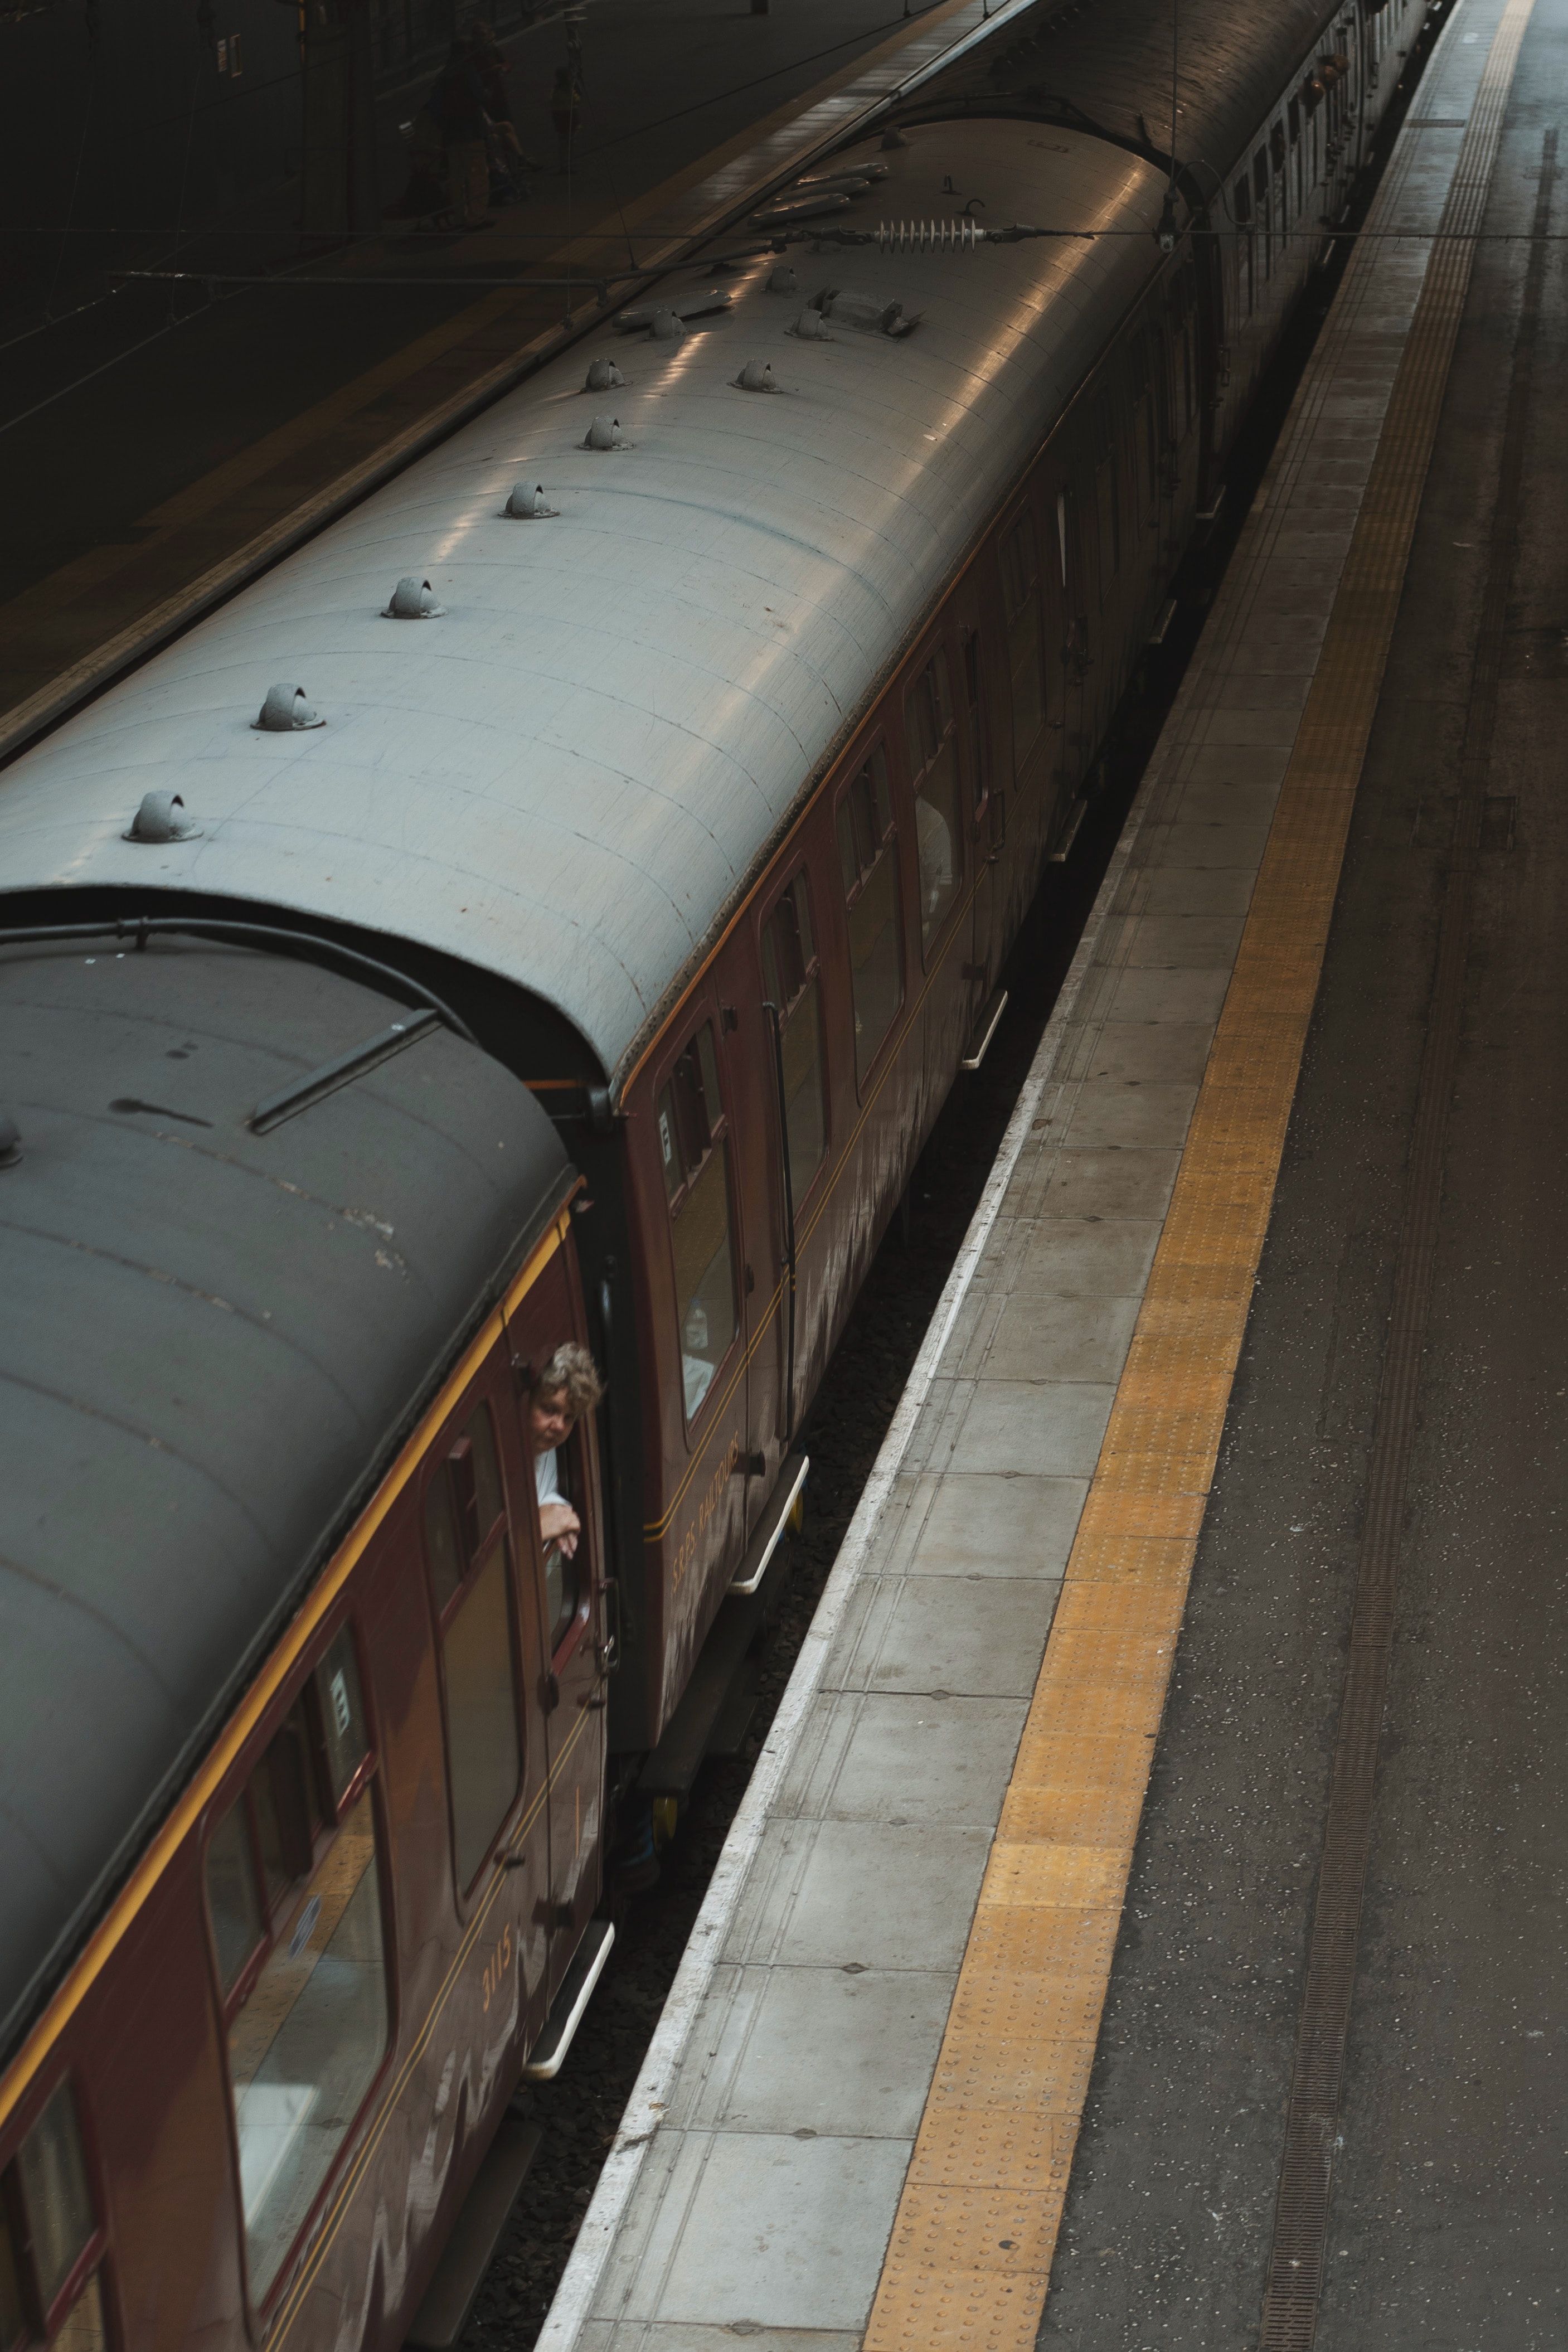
x=276 y=405
x=1142 y=1926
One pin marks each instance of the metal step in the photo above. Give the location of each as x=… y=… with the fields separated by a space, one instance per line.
x=984 y=1030
x=547 y=2055
x=477 y=2233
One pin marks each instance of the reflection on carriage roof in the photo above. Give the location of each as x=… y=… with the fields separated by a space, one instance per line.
x=569 y=777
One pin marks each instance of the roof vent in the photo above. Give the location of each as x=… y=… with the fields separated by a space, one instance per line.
x=756 y=375
x=528 y=506
x=157 y=820
x=286 y=710
x=413 y=600
x=604 y=433
x=603 y=376
x=811 y=328
x=867 y=313
x=666 y=326
x=783 y=280
x=10 y=1141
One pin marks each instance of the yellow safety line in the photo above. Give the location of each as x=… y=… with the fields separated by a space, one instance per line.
x=968 y=2261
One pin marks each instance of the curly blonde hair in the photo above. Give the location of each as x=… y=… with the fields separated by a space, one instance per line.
x=570 y=1372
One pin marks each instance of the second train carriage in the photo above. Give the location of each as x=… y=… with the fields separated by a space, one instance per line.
x=709 y=805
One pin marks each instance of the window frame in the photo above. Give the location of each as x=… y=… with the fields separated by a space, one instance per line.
x=699 y=1014
x=41 y=2323
x=566 y=1649
x=854 y=766
x=801 y=871
x=367 y=1776
x=937 y=649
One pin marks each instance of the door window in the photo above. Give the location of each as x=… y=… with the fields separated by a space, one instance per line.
x=791 y=981
x=934 y=770
x=51 y=2245
x=567 y=1574
x=1025 y=667
x=295 y=1898
x=868 y=859
x=465 y=1539
x=695 y=1148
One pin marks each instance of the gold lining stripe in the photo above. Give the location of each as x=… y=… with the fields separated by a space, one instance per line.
x=968 y=2261
x=188 y=1807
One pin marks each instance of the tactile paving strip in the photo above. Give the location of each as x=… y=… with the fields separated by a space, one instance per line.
x=968 y=2261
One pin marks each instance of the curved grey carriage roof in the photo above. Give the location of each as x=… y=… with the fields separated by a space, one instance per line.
x=568 y=777
x=210 y=1341
x=1109 y=61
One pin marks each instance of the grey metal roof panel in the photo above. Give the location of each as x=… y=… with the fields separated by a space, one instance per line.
x=211 y=1340
x=568 y=779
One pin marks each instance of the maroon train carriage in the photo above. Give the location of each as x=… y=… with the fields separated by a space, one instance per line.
x=300 y=1723
x=311 y=1746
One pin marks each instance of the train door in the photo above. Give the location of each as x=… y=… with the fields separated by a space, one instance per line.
x=738 y=1057
x=1035 y=727
x=793 y=1010
x=984 y=795
x=565 y=1576
x=1074 y=657
x=711 y=1159
x=478 y=1551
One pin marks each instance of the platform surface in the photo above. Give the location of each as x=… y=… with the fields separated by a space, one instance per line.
x=954 y=2029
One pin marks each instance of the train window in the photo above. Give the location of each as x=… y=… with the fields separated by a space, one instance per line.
x=231 y=1896
x=790 y=976
x=694 y=1145
x=50 y=2241
x=465 y=1535
x=54 y=2187
x=343 y=1714
x=565 y=1575
x=306 y=2006
x=304 y=2043
x=933 y=740
x=1026 y=666
x=868 y=855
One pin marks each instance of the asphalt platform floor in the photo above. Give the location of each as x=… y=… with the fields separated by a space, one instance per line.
x=1447 y=2223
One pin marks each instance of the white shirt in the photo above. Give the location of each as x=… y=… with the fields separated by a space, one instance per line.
x=546 y=1478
